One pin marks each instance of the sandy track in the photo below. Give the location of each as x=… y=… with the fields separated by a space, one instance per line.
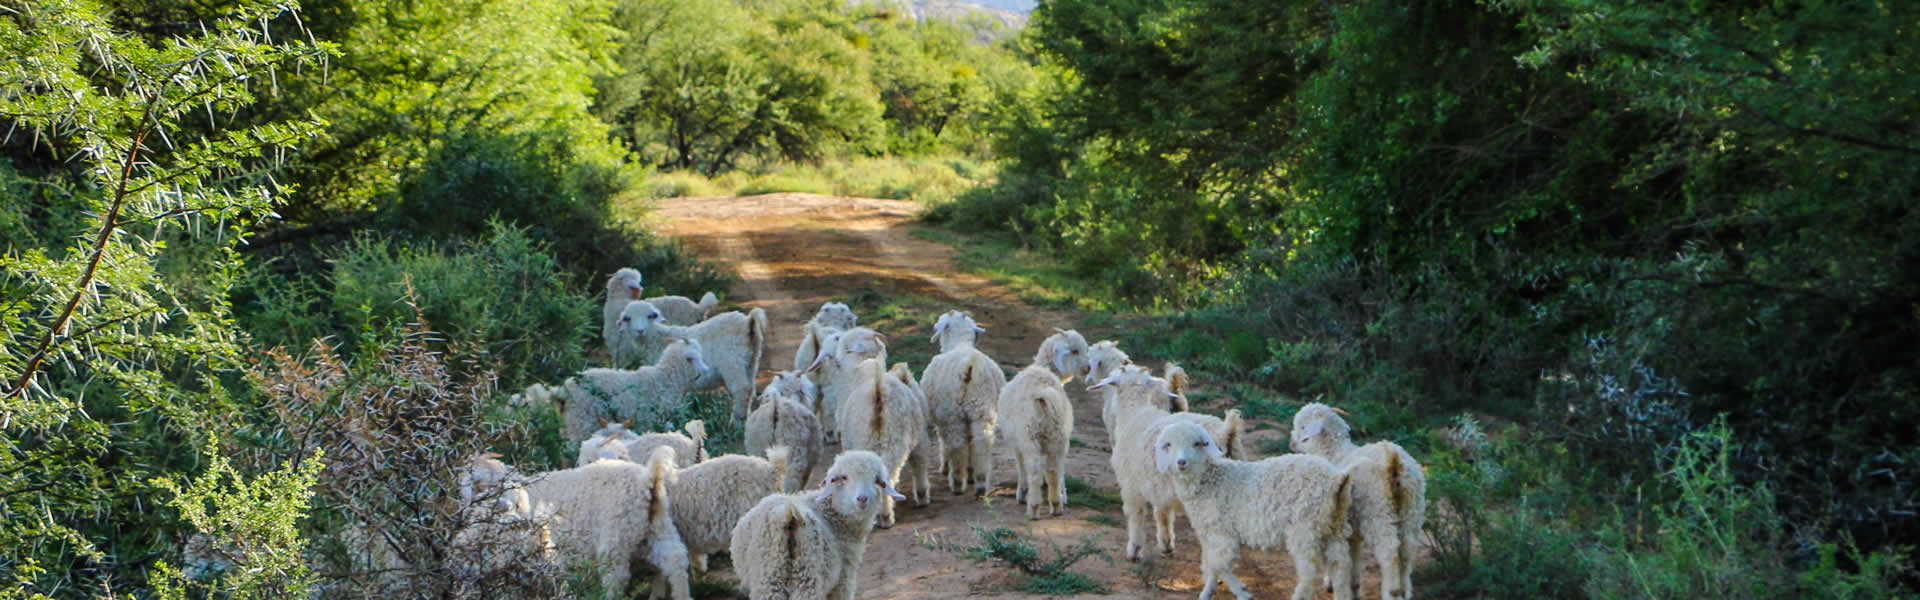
x=795 y=251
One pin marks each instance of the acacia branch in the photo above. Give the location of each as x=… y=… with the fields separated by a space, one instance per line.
x=107 y=224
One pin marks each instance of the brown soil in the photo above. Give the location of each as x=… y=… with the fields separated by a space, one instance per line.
x=793 y=252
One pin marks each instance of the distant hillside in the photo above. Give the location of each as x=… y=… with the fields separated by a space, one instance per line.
x=1011 y=14
x=1017 y=6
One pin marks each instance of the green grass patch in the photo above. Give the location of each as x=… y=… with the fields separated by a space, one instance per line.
x=1107 y=520
x=932 y=179
x=1046 y=576
x=1080 y=493
x=1038 y=277
x=680 y=184
x=784 y=182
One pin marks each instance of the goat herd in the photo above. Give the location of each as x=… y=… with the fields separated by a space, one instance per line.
x=639 y=498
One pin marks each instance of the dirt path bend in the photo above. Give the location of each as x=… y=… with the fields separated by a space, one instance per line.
x=793 y=252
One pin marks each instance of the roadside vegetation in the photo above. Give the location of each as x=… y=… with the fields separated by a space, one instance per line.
x=235 y=232
x=1636 y=282
x=1633 y=281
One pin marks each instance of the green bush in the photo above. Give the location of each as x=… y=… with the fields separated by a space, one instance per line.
x=555 y=196
x=1718 y=538
x=504 y=296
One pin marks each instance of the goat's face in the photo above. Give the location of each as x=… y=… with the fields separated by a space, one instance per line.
x=1135 y=385
x=956 y=323
x=1315 y=421
x=1183 y=446
x=1070 y=354
x=625 y=284
x=1104 y=358
x=640 y=318
x=615 y=449
x=837 y=316
x=793 y=385
x=689 y=354
x=855 y=484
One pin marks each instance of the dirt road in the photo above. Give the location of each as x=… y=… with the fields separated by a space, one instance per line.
x=794 y=251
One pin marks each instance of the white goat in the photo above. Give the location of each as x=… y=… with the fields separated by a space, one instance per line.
x=810 y=545
x=883 y=415
x=1389 y=495
x=609 y=513
x=840 y=352
x=710 y=497
x=1135 y=397
x=732 y=342
x=832 y=317
x=781 y=420
x=645 y=393
x=963 y=388
x=1296 y=501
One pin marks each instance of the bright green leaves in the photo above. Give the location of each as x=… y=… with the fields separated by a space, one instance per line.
x=708 y=85
x=97 y=328
x=717 y=86
x=248 y=543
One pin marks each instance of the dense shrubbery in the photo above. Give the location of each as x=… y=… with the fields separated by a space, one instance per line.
x=1609 y=224
x=502 y=296
x=397 y=420
x=139 y=184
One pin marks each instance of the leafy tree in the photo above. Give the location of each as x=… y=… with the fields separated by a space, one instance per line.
x=413 y=76
x=716 y=83
x=115 y=326
x=1669 y=210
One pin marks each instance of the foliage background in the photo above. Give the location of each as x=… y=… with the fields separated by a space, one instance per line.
x=1638 y=279
x=1599 y=225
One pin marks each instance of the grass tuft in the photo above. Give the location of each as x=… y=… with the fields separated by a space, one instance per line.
x=1038 y=277
x=1080 y=493
x=1041 y=576
x=1106 y=520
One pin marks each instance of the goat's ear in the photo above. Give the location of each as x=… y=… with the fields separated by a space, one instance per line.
x=1110 y=380
x=827 y=488
x=1162 y=458
x=979 y=329
x=494 y=455
x=627 y=423
x=603 y=421
x=1337 y=410
x=1059 y=330
x=1308 y=432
